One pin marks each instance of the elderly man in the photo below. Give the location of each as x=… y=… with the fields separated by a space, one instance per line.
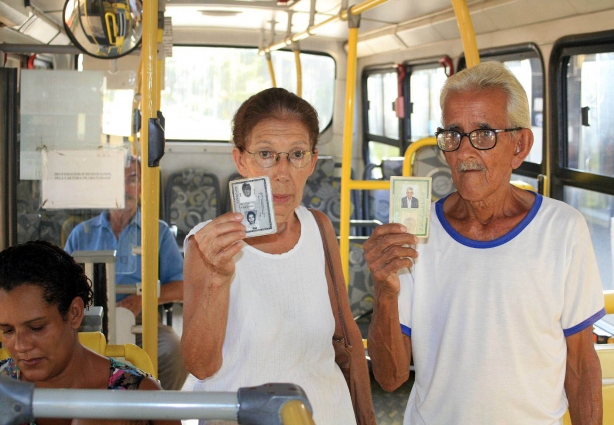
x=496 y=306
x=120 y=230
x=409 y=201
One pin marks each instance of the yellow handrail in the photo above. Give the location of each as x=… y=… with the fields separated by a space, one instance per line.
x=294 y=412
x=150 y=182
x=357 y=9
x=408 y=161
x=299 y=72
x=269 y=62
x=465 y=26
x=346 y=164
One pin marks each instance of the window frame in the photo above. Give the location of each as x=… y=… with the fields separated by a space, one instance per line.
x=562 y=174
x=410 y=68
x=369 y=137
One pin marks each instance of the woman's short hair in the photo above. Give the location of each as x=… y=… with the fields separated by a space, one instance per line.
x=43 y=264
x=491 y=75
x=273 y=103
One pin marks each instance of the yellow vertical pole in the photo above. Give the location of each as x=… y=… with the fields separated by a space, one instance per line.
x=150 y=183
x=465 y=27
x=346 y=162
x=299 y=71
x=269 y=62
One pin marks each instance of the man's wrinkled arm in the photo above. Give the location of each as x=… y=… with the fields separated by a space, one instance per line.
x=389 y=349
x=583 y=379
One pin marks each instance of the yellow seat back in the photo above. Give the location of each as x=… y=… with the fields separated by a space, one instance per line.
x=608 y=299
x=96 y=342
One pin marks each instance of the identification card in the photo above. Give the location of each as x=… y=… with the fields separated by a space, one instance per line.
x=410 y=204
x=254 y=199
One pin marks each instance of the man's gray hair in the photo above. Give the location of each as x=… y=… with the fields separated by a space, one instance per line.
x=491 y=75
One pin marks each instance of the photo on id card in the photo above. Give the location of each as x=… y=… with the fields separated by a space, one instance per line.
x=253 y=198
x=410 y=204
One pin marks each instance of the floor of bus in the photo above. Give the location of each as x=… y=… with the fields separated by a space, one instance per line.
x=389 y=407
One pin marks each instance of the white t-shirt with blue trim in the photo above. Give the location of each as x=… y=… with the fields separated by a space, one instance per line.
x=488 y=320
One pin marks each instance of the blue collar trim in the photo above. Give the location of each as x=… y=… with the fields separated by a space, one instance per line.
x=487 y=244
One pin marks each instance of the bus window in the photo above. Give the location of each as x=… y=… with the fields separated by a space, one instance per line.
x=590 y=113
x=582 y=137
x=425 y=85
x=204 y=86
x=590 y=147
x=381 y=128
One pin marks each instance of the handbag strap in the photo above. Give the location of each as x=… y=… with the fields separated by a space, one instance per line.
x=330 y=277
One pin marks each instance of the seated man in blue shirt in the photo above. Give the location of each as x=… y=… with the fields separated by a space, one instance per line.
x=120 y=230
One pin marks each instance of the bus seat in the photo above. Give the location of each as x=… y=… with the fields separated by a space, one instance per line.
x=96 y=342
x=376 y=203
x=360 y=287
x=430 y=162
x=605 y=352
x=523 y=185
x=608 y=298
x=192 y=196
x=322 y=191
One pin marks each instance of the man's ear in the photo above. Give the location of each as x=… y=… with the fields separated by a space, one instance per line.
x=523 y=145
x=239 y=161
x=76 y=312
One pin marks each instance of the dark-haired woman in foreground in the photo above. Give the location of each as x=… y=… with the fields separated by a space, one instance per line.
x=43 y=294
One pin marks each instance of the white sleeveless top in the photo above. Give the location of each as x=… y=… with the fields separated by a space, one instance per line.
x=280 y=326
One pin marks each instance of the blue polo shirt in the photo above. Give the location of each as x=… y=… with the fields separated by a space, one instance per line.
x=96 y=234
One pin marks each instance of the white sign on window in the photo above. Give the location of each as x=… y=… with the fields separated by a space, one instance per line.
x=83 y=178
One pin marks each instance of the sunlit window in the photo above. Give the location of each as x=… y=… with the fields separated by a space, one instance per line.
x=425 y=88
x=204 y=86
x=382 y=91
x=590 y=113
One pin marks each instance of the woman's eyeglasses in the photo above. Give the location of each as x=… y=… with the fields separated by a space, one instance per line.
x=266 y=159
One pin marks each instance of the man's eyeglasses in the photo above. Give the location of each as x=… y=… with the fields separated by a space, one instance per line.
x=266 y=159
x=481 y=139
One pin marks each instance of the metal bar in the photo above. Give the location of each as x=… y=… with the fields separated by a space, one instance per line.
x=342 y=15
x=360 y=8
x=295 y=412
x=111 y=300
x=135 y=405
x=269 y=62
x=299 y=72
x=369 y=185
x=150 y=183
x=408 y=162
x=346 y=164
x=465 y=26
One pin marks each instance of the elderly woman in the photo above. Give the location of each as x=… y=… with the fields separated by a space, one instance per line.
x=43 y=293
x=257 y=310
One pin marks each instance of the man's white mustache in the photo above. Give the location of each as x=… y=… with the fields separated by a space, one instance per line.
x=469 y=166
